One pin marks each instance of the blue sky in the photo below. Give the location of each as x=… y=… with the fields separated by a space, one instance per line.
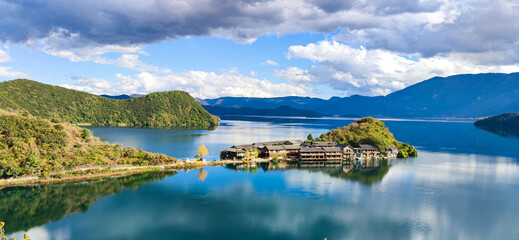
x=209 y=48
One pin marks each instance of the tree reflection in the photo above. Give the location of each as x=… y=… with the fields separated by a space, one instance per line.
x=27 y=207
x=202 y=174
x=501 y=131
x=366 y=175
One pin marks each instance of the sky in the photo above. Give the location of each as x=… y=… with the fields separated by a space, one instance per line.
x=247 y=48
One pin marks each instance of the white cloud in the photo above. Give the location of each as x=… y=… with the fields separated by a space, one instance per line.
x=198 y=83
x=271 y=63
x=6 y=72
x=4 y=56
x=294 y=74
x=375 y=72
x=132 y=61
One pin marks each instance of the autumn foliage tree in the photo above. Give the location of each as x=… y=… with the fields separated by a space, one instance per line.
x=202 y=151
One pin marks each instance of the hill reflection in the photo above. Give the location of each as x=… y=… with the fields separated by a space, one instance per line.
x=23 y=208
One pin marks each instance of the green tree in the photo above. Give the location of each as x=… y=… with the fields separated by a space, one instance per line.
x=310 y=137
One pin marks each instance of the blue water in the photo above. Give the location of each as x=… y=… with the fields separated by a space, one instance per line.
x=463 y=185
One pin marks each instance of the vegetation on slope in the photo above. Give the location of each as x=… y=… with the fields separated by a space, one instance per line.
x=32 y=146
x=368 y=131
x=505 y=120
x=161 y=109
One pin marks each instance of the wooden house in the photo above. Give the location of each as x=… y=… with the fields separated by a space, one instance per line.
x=369 y=151
x=392 y=152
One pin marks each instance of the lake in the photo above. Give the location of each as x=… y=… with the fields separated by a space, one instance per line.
x=463 y=185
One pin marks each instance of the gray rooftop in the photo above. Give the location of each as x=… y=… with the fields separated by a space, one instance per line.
x=312 y=150
x=368 y=147
x=331 y=149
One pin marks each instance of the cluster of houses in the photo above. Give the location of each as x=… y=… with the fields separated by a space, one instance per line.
x=309 y=153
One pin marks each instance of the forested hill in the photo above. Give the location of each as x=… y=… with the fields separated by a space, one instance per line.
x=33 y=146
x=505 y=120
x=161 y=109
x=368 y=131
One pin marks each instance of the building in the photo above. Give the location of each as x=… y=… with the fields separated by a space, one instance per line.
x=293 y=152
x=274 y=150
x=333 y=154
x=392 y=152
x=312 y=155
x=318 y=153
x=369 y=151
x=234 y=153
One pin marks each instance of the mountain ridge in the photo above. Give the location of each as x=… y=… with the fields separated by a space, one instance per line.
x=458 y=96
x=160 y=109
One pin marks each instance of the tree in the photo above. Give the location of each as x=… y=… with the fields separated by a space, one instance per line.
x=202 y=151
x=252 y=153
x=310 y=137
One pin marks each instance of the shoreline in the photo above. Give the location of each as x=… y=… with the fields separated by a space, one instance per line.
x=111 y=171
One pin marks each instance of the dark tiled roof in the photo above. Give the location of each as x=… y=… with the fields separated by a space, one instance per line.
x=368 y=147
x=275 y=147
x=332 y=149
x=292 y=147
x=324 y=144
x=236 y=150
x=311 y=150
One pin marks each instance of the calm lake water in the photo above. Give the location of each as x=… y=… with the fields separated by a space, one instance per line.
x=463 y=185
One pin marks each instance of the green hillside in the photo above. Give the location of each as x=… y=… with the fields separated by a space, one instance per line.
x=368 y=131
x=161 y=109
x=505 y=120
x=32 y=146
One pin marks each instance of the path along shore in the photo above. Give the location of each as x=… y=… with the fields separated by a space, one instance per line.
x=113 y=171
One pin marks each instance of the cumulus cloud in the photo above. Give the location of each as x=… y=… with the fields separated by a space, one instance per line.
x=132 y=61
x=4 y=56
x=374 y=72
x=198 y=83
x=6 y=72
x=428 y=27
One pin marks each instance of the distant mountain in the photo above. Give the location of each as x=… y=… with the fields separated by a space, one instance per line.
x=279 y=111
x=118 y=97
x=161 y=109
x=505 y=120
x=462 y=96
x=306 y=103
x=122 y=97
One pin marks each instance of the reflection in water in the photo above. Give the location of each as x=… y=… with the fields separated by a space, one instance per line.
x=365 y=176
x=26 y=207
x=463 y=185
x=202 y=174
x=503 y=132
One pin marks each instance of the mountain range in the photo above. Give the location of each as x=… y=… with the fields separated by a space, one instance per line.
x=160 y=109
x=458 y=96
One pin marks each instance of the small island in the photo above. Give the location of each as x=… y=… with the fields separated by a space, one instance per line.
x=360 y=143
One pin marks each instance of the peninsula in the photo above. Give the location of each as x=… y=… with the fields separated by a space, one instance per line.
x=35 y=150
x=359 y=143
